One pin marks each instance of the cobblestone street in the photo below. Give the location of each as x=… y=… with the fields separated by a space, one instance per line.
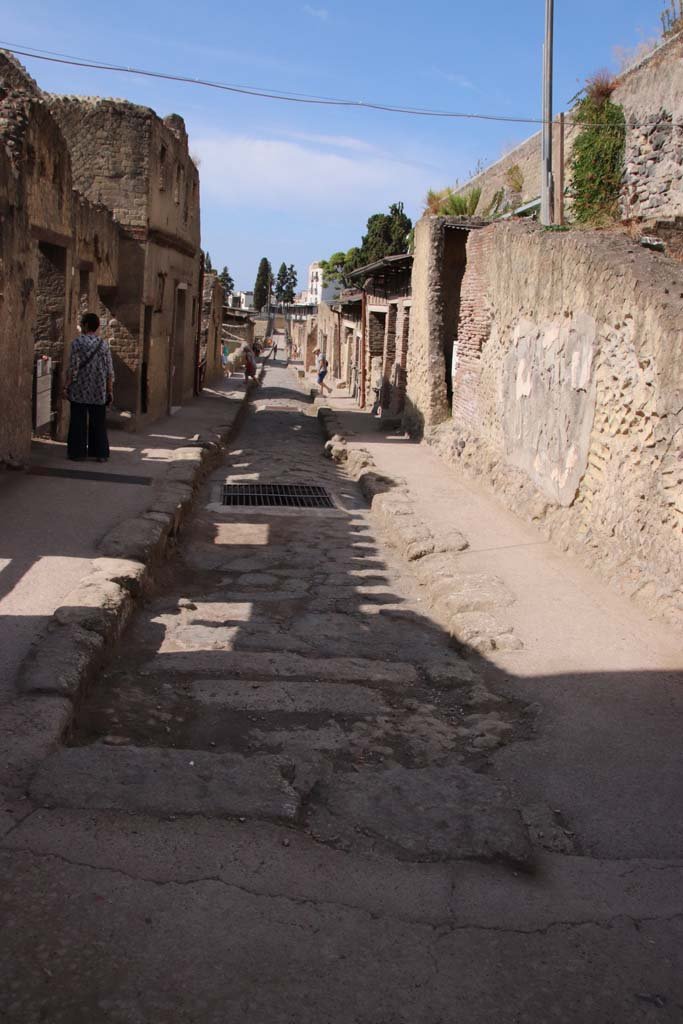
x=279 y=806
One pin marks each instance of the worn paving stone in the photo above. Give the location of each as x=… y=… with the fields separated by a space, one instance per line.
x=250 y=695
x=164 y=782
x=435 y=813
x=283 y=666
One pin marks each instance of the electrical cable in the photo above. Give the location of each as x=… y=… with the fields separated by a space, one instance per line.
x=286 y=97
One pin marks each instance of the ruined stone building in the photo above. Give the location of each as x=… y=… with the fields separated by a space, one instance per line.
x=364 y=333
x=137 y=165
x=99 y=210
x=57 y=250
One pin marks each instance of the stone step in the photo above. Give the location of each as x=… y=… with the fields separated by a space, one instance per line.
x=272 y=665
x=289 y=697
x=167 y=782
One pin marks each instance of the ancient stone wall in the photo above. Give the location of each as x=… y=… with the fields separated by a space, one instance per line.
x=139 y=166
x=111 y=144
x=652 y=97
x=651 y=94
x=212 y=322
x=575 y=412
x=438 y=266
x=17 y=311
x=69 y=246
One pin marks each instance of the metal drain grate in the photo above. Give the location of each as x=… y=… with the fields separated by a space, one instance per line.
x=277 y=495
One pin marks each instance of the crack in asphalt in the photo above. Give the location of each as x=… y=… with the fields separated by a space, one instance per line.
x=444 y=928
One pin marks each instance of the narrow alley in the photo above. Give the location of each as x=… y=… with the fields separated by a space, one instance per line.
x=291 y=798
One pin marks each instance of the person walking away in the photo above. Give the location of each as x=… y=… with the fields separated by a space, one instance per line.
x=323 y=367
x=89 y=387
x=225 y=363
x=250 y=365
x=274 y=350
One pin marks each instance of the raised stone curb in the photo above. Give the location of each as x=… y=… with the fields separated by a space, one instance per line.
x=95 y=613
x=464 y=603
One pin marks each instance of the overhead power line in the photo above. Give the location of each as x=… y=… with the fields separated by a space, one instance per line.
x=276 y=94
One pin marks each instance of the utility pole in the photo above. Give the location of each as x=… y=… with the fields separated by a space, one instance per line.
x=547 y=203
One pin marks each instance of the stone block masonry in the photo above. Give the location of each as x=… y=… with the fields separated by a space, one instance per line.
x=141 y=169
x=56 y=249
x=568 y=393
x=651 y=95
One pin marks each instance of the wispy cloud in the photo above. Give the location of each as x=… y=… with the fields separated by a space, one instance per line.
x=344 y=142
x=276 y=174
x=316 y=12
x=454 y=77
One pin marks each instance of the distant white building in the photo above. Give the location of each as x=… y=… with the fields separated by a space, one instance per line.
x=241 y=300
x=318 y=291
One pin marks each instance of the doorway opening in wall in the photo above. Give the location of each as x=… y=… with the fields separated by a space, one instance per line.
x=452 y=273
x=51 y=320
x=177 y=359
x=144 y=369
x=377 y=322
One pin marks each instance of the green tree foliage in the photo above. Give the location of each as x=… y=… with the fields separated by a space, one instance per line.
x=386 y=234
x=292 y=281
x=208 y=266
x=281 y=283
x=337 y=268
x=285 y=283
x=264 y=278
x=227 y=281
x=598 y=157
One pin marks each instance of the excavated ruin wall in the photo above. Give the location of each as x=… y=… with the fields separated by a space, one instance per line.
x=651 y=94
x=575 y=413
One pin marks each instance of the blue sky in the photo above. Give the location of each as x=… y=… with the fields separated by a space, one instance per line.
x=296 y=183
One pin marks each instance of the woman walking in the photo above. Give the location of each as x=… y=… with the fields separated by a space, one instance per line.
x=89 y=387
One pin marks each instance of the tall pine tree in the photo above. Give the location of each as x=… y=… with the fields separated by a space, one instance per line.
x=264 y=278
x=281 y=283
x=226 y=280
x=292 y=282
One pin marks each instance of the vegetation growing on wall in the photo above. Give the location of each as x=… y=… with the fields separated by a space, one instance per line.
x=448 y=204
x=598 y=156
x=672 y=18
x=514 y=178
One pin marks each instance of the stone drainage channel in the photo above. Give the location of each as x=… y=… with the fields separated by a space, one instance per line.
x=284 y=669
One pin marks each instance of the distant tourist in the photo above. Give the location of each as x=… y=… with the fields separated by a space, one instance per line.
x=89 y=387
x=250 y=365
x=323 y=367
x=225 y=359
x=274 y=350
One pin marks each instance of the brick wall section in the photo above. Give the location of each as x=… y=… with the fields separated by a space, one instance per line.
x=576 y=415
x=473 y=327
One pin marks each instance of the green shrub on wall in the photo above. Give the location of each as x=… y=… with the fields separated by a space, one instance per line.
x=598 y=156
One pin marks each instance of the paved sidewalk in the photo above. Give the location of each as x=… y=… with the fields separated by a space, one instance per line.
x=605 y=678
x=50 y=523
